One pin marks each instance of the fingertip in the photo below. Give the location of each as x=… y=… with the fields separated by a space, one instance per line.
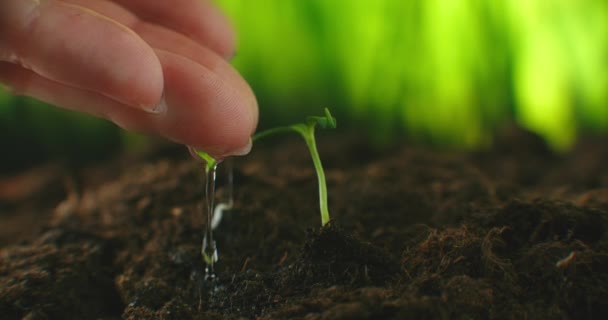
x=213 y=113
x=243 y=150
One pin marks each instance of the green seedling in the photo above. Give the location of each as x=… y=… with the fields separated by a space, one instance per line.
x=307 y=131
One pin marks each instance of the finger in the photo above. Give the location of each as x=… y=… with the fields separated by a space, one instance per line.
x=77 y=47
x=168 y=40
x=211 y=111
x=158 y=36
x=108 y=9
x=20 y=81
x=203 y=111
x=196 y=19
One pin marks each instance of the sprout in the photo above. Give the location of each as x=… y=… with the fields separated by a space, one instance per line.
x=307 y=131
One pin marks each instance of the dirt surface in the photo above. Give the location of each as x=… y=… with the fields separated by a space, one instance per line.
x=512 y=233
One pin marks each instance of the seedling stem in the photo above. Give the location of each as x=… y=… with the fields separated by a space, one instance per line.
x=307 y=131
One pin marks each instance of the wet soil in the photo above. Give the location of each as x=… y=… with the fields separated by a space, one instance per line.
x=515 y=232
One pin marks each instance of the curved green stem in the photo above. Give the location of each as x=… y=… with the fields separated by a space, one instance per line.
x=307 y=131
x=271 y=132
x=309 y=137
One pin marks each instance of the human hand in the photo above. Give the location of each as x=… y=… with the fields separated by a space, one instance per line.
x=149 y=66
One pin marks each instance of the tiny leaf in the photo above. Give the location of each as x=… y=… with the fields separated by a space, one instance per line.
x=327 y=122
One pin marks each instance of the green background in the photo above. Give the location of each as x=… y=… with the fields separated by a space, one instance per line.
x=445 y=72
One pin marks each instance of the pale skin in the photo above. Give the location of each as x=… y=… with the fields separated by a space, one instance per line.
x=158 y=67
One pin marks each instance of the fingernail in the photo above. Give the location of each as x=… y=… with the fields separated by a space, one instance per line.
x=244 y=150
x=159 y=108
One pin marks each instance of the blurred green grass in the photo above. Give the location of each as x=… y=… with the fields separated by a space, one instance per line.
x=449 y=72
x=437 y=71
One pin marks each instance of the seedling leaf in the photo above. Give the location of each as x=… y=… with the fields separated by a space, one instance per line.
x=327 y=122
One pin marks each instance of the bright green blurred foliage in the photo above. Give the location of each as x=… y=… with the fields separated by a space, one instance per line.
x=440 y=71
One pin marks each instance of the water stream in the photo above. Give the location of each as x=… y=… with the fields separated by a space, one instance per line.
x=213 y=213
x=209 y=246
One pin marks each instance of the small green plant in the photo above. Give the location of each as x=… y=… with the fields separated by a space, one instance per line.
x=307 y=131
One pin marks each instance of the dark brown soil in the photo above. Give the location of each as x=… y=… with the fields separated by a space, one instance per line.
x=512 y=233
